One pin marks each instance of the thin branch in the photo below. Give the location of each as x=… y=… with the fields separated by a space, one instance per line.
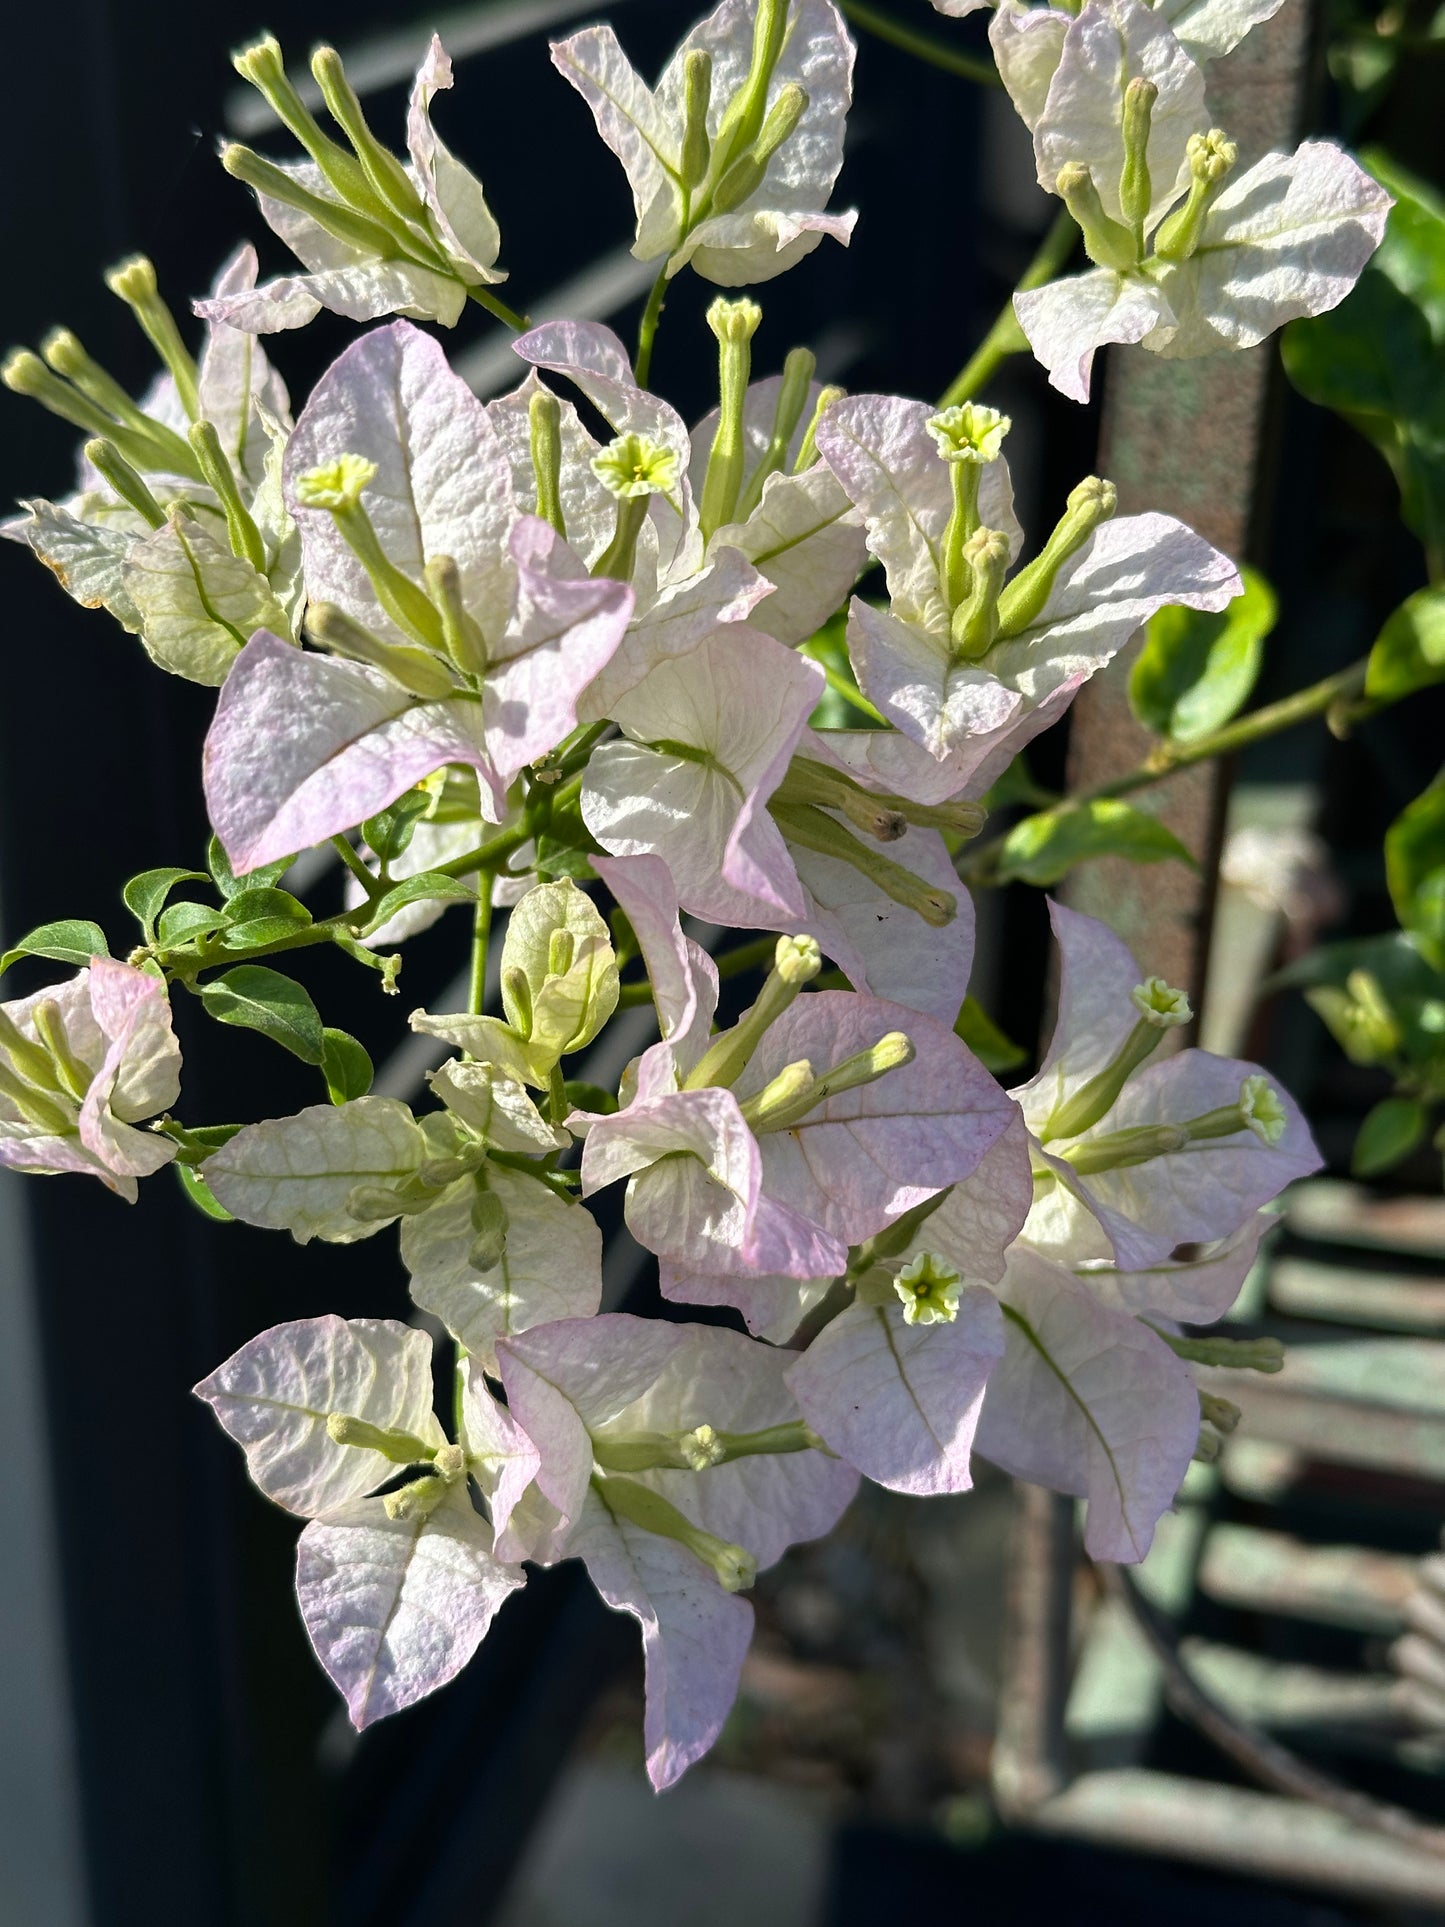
x=921 y=45
x=1263 y=1758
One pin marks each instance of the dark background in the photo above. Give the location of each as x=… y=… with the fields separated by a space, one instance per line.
x=175 y=1752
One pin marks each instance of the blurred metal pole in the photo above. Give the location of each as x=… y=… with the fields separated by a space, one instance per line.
x=40 y=1845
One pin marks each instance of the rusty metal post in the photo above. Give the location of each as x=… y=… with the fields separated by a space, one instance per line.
x=1183 y=438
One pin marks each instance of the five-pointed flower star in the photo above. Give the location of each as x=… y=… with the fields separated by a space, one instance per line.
x=396 y=1592
x=784 y=553
x=464 y=630
x=1135 y=1158
x=970 y=666
x=732 y=158
x=409 y=240
x=674 y=1463
x=80 y=1065
x=1189 y=257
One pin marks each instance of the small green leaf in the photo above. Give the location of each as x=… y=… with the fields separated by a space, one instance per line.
x=1389 y=1133
x=1197 y=669
x=69 y=940
x=184 y=922
x=231 y=885
x=994 y=1050
x=589 y=1097
x=199 y=1193
x=144 y=896
x=1415 y=870
x=1043 y=848
x=260 y=999
x=556 y=859
x=1409 y=652
x=426 y=885
x=345 y=1065
x=262 y=916
x=389 y=832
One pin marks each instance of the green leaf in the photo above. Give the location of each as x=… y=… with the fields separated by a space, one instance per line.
x=556 y=859
x=1415 y=869
x=144 y=896
x=231 y=885
x=1409 y=652
x=582 y=1096
x=184 y=922
x=995 y=1050
x=199 y=1193
x=1043 y=848
x=1197 y=669
x=345 y=1065
x=425 y=886
x=70 y=940
x=260 y=999
x=261 y=916
x=1389 y=1133
x=389 y=832
x=1377 y=358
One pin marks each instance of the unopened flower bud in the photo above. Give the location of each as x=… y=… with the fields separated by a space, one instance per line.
x=797 y=960
x=1211 y=157
x=402 y=1448
x=1107 y=241
x=127 y=482
x=1090 y=504
x=544 y=427
x=975 y=621
x=697 y=97
x=1135 y=189
x=1222 y=1413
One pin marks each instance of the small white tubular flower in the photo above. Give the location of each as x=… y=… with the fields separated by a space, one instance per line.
x=1262 y=1110
x=1189 y=258
x=80 y=1066
x=928 y=1288
x=1160 y=1005
x=732 y=157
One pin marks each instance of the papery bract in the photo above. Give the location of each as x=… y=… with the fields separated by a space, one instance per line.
x=572 y=1383
x=123 y=1065
x=781 y=219
x=1087 y=1400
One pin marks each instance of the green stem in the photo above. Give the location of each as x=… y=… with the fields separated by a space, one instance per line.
x=647 y=327
x=921 y=45
x=492 y=855
x=1005 y=337
x=1166 y=758
x=484 y=298
x=481 y=935
x=357 y=868
x=850 y=693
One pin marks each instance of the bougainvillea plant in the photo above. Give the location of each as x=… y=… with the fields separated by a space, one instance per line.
x=563 y=664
